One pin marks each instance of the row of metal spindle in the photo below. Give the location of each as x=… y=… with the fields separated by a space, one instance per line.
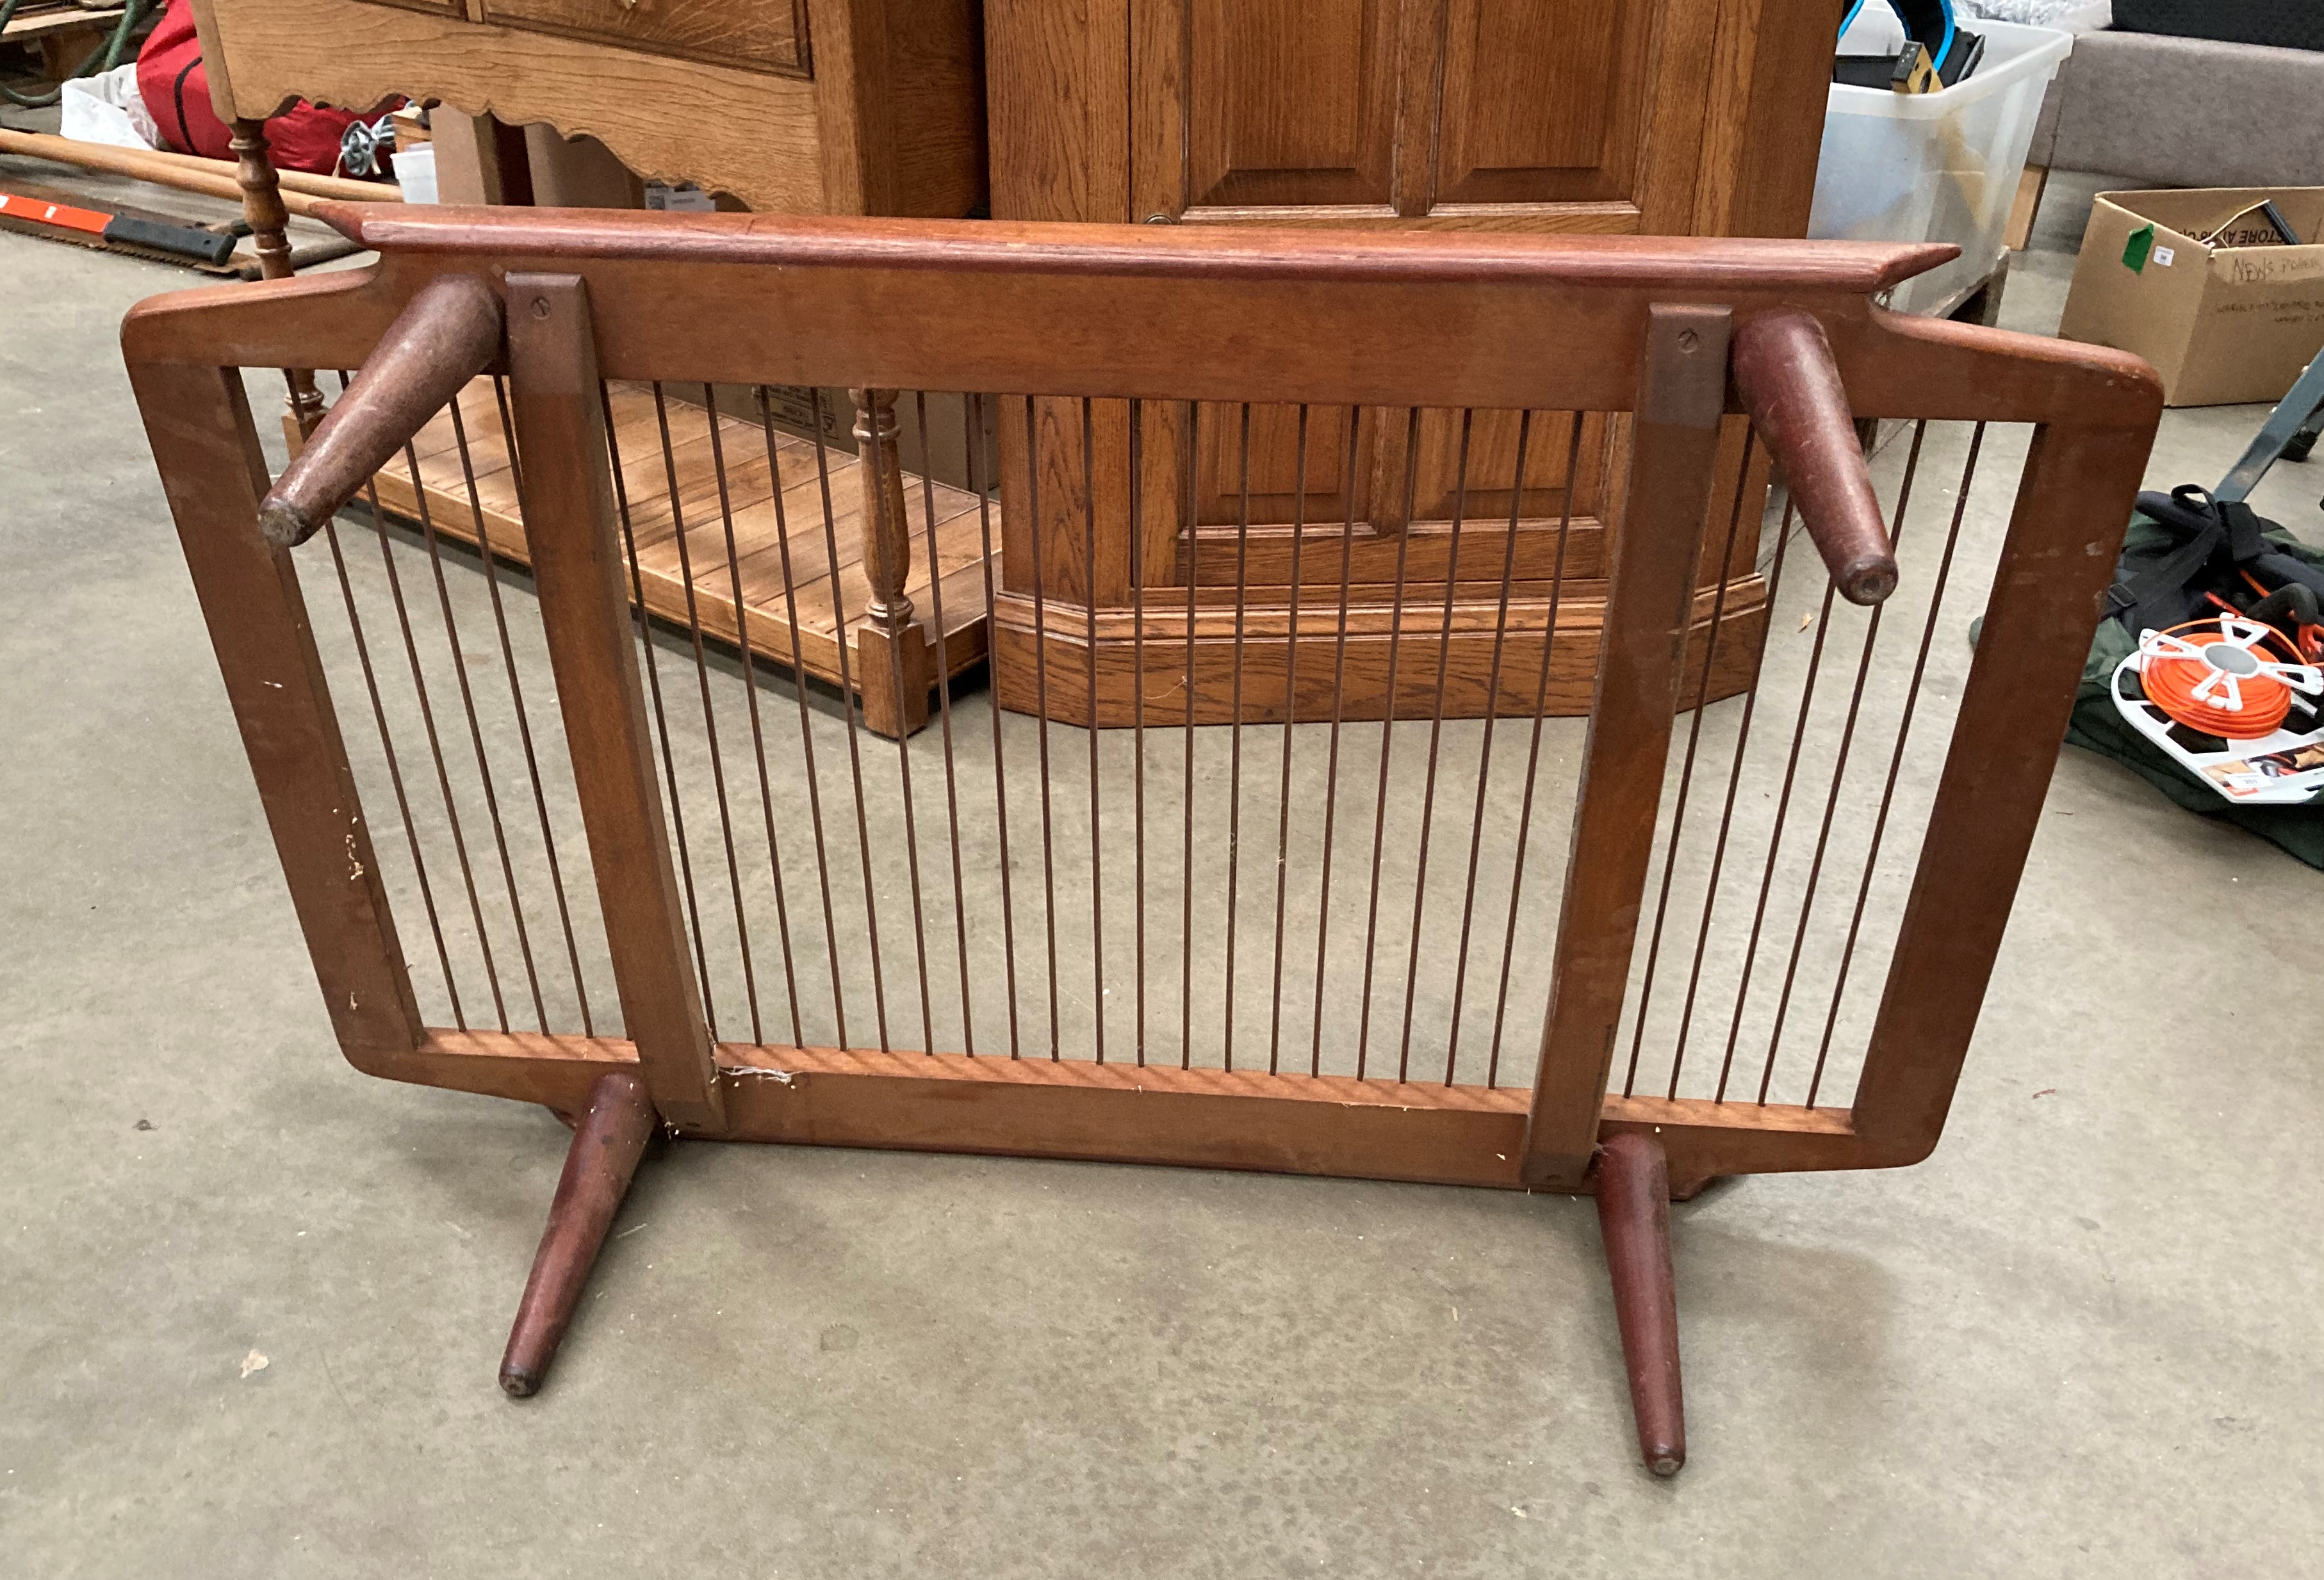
x=963 y=891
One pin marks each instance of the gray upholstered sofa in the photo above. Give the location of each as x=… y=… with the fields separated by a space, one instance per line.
x=2162 y=111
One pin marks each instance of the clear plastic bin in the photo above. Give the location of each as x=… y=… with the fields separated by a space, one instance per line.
x=1934 y=167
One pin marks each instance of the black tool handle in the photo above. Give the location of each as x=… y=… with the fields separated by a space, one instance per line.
x=186 y=240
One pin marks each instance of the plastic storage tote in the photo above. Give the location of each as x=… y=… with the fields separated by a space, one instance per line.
x=1935 y=167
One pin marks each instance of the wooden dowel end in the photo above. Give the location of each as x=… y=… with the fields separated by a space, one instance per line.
x=450 y=332
x=1783 y=370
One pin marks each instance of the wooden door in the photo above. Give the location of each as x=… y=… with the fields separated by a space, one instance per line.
x=1521 y=115
x=1530 y=114
x=1552 y=116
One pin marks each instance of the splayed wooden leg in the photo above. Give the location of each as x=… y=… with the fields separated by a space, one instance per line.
x=598 y=1166
x=1632 y=1182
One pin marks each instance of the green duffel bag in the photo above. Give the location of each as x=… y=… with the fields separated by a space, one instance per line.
x=2186 y=558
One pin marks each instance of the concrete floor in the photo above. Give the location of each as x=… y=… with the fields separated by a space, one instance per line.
x=2080 y=1340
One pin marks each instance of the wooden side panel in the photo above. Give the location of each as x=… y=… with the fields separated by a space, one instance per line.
x=1766 y=145
x=937 y=154
x=1058 y=76
x=2064 y=535
x=206 y=447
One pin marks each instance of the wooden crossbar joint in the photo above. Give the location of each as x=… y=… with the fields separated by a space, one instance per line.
x=1785 y=371
x=578 y=565
x=1674 y=450
x=448 y=334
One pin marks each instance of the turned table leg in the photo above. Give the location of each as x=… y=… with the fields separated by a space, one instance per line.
x=1632 y=1182
x=891 y=650
x=606 y=1146
x=261 y=205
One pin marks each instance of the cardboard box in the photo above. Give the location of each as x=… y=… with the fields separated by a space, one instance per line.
x=2221 y=322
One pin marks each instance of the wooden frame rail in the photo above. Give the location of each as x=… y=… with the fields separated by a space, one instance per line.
x=1092 y=313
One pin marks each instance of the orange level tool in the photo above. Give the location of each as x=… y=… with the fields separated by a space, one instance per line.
x=186 y=240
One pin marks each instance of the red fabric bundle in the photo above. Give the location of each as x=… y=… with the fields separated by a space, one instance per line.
x=177 y=94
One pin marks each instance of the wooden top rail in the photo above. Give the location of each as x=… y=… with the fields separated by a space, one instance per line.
x=1120 y=311
x=1853 y=268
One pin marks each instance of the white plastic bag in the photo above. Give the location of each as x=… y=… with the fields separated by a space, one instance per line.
x=108 y=108
x=415 y=172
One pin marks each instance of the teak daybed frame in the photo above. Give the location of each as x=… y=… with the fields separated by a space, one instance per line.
x=1388 y=1084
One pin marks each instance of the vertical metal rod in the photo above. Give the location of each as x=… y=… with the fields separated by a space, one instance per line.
x=1727 y=813
x=1387 y=732
x=1097 y=827
x=1192 y=537
x=1234 y=733
x=1331 y=753
x=1485 y=750
x=999 y=758
x=516 y=689
x=852 y=703
x=1775 y=835
x=476 y=733
x=1041 y=707
x=1290 y=716
x=1895 y=762
x=1138 y=690
x=436 y=751
x=662 y=717
x=1533 y=755
x=1839 y=773
x=750 y=693
x=1435 y=739
x=897 y=631
x=387 y=747
x=806 y=718
x=944 y=705
x=709 y=718
x=1686 y=769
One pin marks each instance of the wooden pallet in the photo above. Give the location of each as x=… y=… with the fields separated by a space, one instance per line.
x=447 y=466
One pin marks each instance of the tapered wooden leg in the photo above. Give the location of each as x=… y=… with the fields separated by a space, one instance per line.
x=606 y=1145
x=1632 y=1182
x=261 y=205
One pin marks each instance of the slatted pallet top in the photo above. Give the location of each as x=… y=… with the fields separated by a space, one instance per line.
x=670 y=476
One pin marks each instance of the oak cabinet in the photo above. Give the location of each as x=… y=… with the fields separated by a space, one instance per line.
x=764 y=36
x=793 y=107
x=1668 y=117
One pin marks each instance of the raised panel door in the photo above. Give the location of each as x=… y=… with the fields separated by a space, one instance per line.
x=1539 y=103
x=1289 y=102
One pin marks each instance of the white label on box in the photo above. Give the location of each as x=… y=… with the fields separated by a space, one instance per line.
x=689 y=199
x=2163 y=256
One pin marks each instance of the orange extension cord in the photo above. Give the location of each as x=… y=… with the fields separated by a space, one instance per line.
x=2171 y=683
